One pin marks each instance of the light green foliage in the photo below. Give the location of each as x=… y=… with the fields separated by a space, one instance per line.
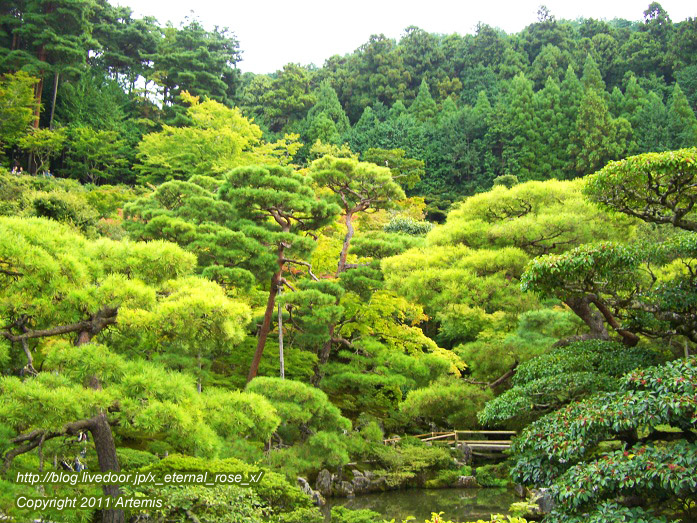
x=92 y=155
x=507 y=180
x=538 y=217
x=208 y=504
x=408 y=225
x=44 y=144
x=448 y=404
x=217 y=139
x=16 y=107
x=448 y=478
x=301 y=407
x=410 y=462
x=273 y=489
x=344 y=515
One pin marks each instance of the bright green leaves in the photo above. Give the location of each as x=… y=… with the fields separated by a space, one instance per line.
x=218 y=139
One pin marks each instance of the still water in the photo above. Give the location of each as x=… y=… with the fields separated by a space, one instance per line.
x=458 y=505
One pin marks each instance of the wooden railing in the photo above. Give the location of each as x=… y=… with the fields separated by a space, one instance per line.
x=455 y=437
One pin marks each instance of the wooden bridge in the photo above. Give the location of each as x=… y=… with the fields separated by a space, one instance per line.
x=457 y=437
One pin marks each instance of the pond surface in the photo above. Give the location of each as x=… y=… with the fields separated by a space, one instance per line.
x=458 y=505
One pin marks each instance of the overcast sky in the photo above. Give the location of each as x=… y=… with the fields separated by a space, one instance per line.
x=273 y=33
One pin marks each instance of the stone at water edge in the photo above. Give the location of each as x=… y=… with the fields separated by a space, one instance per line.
x=307 y=489
x=324 y=482
x=466 y=482
x=521 y=491
x=542 y=497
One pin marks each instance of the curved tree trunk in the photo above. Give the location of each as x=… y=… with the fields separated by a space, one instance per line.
x=268 y=315
x=347 y=243
x=265 y=327
x=104 y=445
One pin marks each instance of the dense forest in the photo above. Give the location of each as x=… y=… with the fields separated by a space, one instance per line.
x=292 y=275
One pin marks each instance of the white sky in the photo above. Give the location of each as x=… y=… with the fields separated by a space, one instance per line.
x=274 y=32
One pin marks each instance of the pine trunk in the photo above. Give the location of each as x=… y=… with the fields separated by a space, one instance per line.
x=347 y=243
x=105 y=447
x=265 y=327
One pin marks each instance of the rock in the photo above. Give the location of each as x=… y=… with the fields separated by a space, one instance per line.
x=466 y=482
x=324 y=482
x=318 y=499
x=344 y=489
x=314 y=495
x=542 y=497
x=360 y=483
x=521 y=491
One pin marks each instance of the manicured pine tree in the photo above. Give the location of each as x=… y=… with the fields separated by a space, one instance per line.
x=283 y=203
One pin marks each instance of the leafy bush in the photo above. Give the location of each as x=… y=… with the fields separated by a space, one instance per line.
x=302 y=408
x=302 y=515
x=273 y=489
x=493 y=475
x=448 y=478
x=653 y=415
x=132 y=459
x=565 y=374
x=208 y=504
x=406 y=225
x=449 y=404
x=345 y=515
x=507 y=180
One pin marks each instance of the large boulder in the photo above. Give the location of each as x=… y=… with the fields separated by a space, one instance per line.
x=542 y=497
x=325 y=480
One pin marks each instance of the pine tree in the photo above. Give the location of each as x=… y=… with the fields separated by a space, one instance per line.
x=423 y=108
x=597 y=137
x=284 y=204
x=651 y=131
x=522 y=144
x=328 y=104
x=682 y=123
x=592 y=79
x=554 y=131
